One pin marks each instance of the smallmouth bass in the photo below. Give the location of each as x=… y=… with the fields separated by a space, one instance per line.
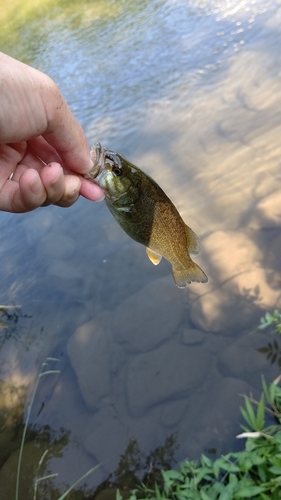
x=147 y=215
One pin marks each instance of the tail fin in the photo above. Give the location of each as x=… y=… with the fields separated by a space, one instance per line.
x=186 y=275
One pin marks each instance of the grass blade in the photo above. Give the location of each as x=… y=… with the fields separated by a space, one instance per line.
x=78 y=481
x=27 y=422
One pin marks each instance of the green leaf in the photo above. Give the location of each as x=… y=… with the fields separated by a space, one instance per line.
x=157 y=492
x=206 y=461
x=250 y=412
x=249 y=491
x=224 y=463
x=118 y=495
x=133 y=495
x=263 y=325
x=216 y=489
x=277 y=437
x=247 y=418
x=202 y=473
x=275 y=469
x=230 y=467
x=260 y=414
x=246 y=464
x=268 y=317
x=262 y=473
x=233 y=479
x=204 y=496
x=265 y=389
x=272 y=393
x=171 y=475
x=227 y=493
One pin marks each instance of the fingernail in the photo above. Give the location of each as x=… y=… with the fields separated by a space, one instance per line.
x=93 y=157
x=101 y=198
x=35 y=185
x=58 y=177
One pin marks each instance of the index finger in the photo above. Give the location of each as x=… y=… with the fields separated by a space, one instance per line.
x=48 y=154
x=64 y=132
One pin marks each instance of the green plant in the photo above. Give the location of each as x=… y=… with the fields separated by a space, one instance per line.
x=271 y=319
x=254 y=472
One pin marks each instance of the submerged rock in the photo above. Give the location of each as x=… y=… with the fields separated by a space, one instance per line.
x=88 y=351
x=56 y=246
x=242 y=360
x=227 y=254
x=218 y=419
x=149 y=316
x=267 y=213
x=169 y=372
x=236 y=305
x=191 y=336
x=64 y=270
x=273 y=255
x=173 y=412
x=238 y=292
x=105 y=438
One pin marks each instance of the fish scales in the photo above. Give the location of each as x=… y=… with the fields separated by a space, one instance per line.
x=147 y=215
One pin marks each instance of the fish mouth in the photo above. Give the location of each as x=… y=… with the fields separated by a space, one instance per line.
x=98 y=157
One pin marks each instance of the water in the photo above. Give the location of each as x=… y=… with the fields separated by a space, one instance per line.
x=149 y=374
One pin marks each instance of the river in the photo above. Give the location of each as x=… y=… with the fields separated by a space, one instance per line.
x=142 y=374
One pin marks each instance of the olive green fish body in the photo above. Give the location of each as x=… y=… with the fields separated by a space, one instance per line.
x=147 y=215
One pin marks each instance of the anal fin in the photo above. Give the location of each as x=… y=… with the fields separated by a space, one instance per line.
x=153 y=256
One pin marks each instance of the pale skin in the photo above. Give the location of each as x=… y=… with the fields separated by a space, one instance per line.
x=43 y=149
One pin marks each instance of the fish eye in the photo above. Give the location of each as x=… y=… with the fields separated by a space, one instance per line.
x=115 y=168
x=117 y=171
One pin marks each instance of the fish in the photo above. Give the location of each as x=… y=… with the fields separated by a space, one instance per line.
x=146 y=214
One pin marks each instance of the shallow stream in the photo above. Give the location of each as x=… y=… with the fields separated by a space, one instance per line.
x=145 y=374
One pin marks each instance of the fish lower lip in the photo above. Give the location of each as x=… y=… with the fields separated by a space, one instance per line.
x=97 y=157
x=94 y=172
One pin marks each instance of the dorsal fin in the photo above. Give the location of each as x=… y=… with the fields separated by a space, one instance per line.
x=193 y=245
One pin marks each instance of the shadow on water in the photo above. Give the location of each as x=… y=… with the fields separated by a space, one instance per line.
x=272 y=351
x=10 y=317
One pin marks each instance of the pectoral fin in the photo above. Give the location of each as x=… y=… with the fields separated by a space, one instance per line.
x=153 y=256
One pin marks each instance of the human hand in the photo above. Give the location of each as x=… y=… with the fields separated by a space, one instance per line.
x=43 y=149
